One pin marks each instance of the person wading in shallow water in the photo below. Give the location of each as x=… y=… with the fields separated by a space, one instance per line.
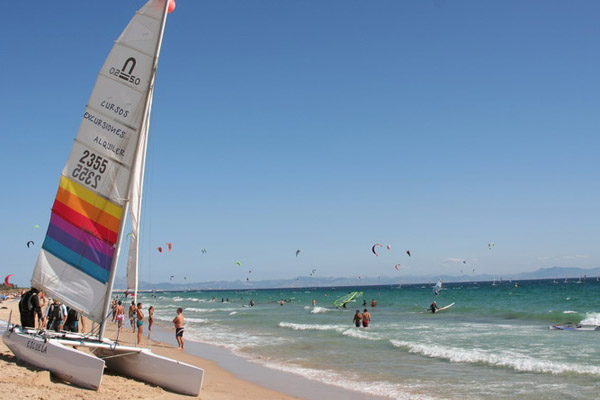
x=150 y=320
x=357 y=319
x=366 y=318
x=433 y=307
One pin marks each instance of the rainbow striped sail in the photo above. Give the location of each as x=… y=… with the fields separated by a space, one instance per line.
x=104 y=173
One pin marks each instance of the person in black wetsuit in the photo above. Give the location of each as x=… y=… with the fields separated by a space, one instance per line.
x=433 y=307
x=29 y=307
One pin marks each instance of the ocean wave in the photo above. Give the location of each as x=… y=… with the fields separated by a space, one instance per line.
x=591 y=319
x=215 y=335
x=313 y=327
x=348 y=381
x=210 y=310
x=319 y=310
x=344 y=330
x=569 y=312
x=198 y=320
x=518 y=362
x=360 y=334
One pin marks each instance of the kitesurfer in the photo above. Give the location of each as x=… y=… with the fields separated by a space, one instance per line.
x=433 y=307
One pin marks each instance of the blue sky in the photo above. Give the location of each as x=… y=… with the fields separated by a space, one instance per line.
x=327 y=126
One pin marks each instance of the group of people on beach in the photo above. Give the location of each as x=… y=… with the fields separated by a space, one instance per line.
x=37 y=311
x=136 y=320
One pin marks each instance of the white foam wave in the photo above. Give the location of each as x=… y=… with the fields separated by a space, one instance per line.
x=348 y=381
x=210 y=310
x=518 y=362
x=361 y=334
x=319 y=310
x=591 y=319
x=569 y=312
x=313 y=327
x=215 y=335
x=344 y=330
x=233 y=313
x=198 y=320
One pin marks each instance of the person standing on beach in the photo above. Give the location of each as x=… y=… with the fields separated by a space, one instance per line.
x=72 y=321
x=357 y=318
x=132 y=314
x=139 y=322
x=29 y=307
x=55 y=317
x=120 y=311
x=178 y=322
x=150 y=320
x=366 y=318
x=114 y=310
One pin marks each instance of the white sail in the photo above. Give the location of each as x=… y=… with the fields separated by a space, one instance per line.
x=78 y=258
x=135 y=195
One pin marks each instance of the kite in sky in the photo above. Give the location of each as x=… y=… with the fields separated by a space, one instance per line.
x=374 y=248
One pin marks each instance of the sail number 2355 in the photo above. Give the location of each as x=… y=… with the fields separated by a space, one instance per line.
x=89 y=168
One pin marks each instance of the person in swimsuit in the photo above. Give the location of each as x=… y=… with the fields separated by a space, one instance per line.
x=132 y=314
x=150 y=320
x=357 y=318
x=120 y=314
x=178 y=322
x=366 y=318
x=139 y=323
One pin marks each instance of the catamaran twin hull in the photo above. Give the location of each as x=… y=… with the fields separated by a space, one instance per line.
x=71 y=365
x=54 y=352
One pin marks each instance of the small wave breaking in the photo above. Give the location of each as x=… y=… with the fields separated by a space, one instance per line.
x=518 y=362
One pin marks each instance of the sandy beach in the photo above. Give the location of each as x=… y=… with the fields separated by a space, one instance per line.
x=21 y=380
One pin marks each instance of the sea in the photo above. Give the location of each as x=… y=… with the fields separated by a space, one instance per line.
x=494 y=343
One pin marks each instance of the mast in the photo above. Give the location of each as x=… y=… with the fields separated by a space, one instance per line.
x=145 y=124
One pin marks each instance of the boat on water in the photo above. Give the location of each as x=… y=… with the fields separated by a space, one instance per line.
x=100 y=186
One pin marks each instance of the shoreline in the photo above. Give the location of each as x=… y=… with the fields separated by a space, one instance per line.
x=23 y=380
x=227 y=375
x=253 y=371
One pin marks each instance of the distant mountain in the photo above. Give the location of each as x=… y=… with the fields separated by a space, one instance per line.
x=305 y=281
x=560 y=272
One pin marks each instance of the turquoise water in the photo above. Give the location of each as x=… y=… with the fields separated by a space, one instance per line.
x=494 y=343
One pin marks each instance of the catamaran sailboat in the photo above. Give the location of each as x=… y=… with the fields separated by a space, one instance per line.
x=99 y=186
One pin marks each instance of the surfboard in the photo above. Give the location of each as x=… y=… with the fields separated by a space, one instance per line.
x=569 y=326
x=444 y=308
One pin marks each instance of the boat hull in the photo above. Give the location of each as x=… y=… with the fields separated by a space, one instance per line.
x=146 y=366
x=66 y=363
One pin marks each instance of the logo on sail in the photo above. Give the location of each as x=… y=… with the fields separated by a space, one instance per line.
x=126 y=72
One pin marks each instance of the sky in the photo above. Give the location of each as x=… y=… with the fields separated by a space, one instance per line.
x=326 y=126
